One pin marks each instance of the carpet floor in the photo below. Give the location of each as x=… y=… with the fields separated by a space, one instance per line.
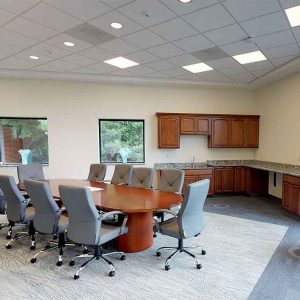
x=242 y=241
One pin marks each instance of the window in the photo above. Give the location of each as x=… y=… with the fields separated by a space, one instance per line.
x=122 y=141
x=23 y=140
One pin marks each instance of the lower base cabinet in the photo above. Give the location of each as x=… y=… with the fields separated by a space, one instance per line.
x=291 y=194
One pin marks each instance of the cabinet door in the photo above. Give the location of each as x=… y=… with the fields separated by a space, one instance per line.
x=188 y=179
x=203 y=125
x=237 y=132
x=211 y=190
x=228 y=180
x=239 y=179
x=219 y=180
x=291 y=198
x=188 y=125
x=252 y=133
x=220 y=133
x=168 y=132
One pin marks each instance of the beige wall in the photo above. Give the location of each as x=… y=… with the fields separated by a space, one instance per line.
x=73 y=110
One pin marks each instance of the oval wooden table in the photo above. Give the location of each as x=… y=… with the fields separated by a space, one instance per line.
x=138 y=203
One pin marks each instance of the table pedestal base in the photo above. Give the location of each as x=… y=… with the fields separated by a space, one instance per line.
x=140 y=233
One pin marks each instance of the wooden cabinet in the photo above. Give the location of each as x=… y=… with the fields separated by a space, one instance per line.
x=251 y=132
x=220 y=132
x=194 y=125
x=291 y=194
x=239 y=179
x=256 y=181
x=168 y=132
x=224 y=180
x=193 y=175
x=237 y=133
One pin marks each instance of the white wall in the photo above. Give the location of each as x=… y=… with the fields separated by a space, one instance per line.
x=73 y=110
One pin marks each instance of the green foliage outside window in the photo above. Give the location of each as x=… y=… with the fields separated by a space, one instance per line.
x=122 y=141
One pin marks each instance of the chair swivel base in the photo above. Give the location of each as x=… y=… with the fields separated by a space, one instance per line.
x=179 y=249
x=97 y=255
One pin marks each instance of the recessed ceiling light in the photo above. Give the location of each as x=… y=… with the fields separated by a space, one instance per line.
x=250 y=57
x=69 y=44
x=34 y=57
x=121 y=62
x=116 y=25
x=197 y=68
x=293 y=15
x=185 y=1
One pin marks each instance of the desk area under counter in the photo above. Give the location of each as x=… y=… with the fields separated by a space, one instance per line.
x=250 y=177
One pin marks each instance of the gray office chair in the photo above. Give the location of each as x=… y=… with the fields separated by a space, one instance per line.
x=122 y=174
x=48 y=218
x=85 y=225
x=31 y=171
x=171 y=180
x=142 y=178
x=97 y=172
x=18 y=214
x=2 y=209
x=188 y=222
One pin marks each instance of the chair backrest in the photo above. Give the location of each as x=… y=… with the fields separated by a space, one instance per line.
x=15 y=202
x=2 y=203
x=142 y=178
x=31 y=171
x=122 y=174
x=84 y=219
x=97 y=172
x=47 y=213
x=171 y=180
x=190 y=215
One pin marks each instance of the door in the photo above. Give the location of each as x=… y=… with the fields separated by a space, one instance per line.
x=228 y=180
x=220 y=133
x=237 y=132
x=291 y=198
x=188 y=125
x=252 y=133
x=203 y=125
x=219 y=180
x=168 y=132
x=239 y=179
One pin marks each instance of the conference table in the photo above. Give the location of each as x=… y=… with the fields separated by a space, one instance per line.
x=138 y=203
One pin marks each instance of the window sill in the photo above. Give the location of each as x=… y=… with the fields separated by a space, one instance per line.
x=15 y=165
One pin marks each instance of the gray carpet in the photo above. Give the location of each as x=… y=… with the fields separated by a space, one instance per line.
x=246 y=247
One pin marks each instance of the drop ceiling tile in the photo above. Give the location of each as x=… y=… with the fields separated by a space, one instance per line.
x=119 y=47
x=266 y=24
x=209 y=18
x=103 y=22
x=156 y=75
x=56 y=66
x=83 y=70
x=116 y=3
x=242 y=77
x=5 y=16
x=244 y=9
x=160 y=65
x=183 y=60
x=79 y=60
x=121 y=73
x=58 y=41
x=191 y=76
x=26 y=53
x=43 y=49
x=227 y=62
x=232 y=70
x=214 y=75
x=142 y=57
x=82 y=9
x=97 y=53
x=289 y=3
x=16 y=63
x=210 y=54
x=17 y=6
x=296 y=32
x=226 y=35
x=140 y=70
x=51 y=17
x=239 y=48
x=282 y=51
x=194 y=43
x=177 y=72
x=174 y=30
x=158 y=12
x=166 y=50
x=103 y=68
x=7 y=50
x=259 y=73
x=30 y=29
x=144 y=39
x=274 y=39
x=260 y=65
x=182 y=9
x=282 y=60
x=15 y=39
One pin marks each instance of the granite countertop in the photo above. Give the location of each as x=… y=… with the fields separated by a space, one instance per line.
x=287 y=169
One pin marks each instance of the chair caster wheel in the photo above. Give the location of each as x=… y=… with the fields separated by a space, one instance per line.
x=8 y=237
x=85 y=251
x=33 y=260
x=158 y=254
x=111 y=273
x=8 y=246
x=59 y=263
x=55 y=237
x=167 y=267
x=123 y=257
x=71 y=263
x=47 y=246
x=203 y=252
x=76 y=277
x=154 y=235
x=199 y=266
x=32 y=248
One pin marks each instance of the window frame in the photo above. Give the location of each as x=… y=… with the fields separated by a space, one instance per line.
x=99 y=141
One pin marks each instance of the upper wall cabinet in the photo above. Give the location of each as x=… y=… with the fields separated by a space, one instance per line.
x=168 y=131
x=194 y=125
x=220 y=132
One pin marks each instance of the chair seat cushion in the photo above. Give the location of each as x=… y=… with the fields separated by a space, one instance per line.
x=170 y=227
x=29 y=214
x=109 y=232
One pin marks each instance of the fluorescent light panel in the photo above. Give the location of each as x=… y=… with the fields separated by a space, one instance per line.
x=198 y=68
x=250 y=57
x=116 y=25
x=121 y=62
x=293 y=15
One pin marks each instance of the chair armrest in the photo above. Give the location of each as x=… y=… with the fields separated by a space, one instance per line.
x=116 y=212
